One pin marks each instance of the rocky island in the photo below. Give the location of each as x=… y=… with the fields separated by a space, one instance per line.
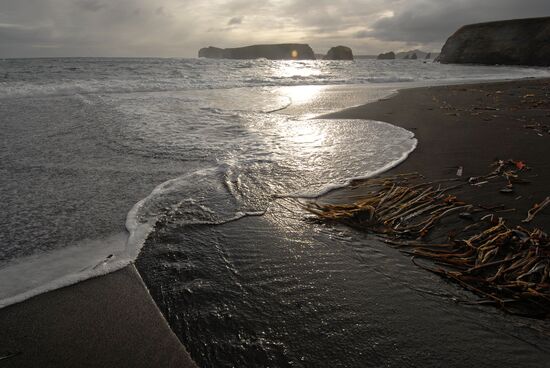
x=508 y=42
x=408 y=55
x=387 y=56
x=339 y=53
x=285 y=51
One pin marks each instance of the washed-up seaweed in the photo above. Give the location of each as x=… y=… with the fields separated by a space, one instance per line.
x=508 y=266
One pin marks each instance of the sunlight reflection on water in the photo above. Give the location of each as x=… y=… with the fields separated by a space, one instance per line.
x=292 y=69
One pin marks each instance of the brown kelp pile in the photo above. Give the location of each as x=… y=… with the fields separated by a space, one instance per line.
x=506 y=266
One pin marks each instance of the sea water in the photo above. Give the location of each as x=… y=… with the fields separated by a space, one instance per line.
x=187 y=157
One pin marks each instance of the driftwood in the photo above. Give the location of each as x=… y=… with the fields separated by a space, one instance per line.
x=506 y=266
x=536 y=209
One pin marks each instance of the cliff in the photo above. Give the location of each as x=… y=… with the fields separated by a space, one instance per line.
x=511 y=42
x=339 y=53
x=286 y=51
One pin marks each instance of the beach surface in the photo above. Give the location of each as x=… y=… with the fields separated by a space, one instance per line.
x=111 y=321
x=472 y=126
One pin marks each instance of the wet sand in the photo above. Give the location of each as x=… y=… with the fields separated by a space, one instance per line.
x=109 y=321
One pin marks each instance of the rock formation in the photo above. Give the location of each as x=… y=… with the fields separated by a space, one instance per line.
x=510 y=42
x=387 y=56
x=339 y=53
x=408 y=55
x=211 y=52
x=287 y=51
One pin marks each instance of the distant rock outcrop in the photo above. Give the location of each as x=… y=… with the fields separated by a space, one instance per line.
x=407 y=55
x=211 y=52
x=286 y=51
x=510 y=42
x=339 y=53
x=387 y=56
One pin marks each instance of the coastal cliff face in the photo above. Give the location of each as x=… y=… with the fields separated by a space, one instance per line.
x=512 y=42
x=286 y=51
x=339 y=53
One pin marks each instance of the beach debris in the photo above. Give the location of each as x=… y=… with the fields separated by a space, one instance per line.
x=510 y=170
x=487 y=108
x=104 y=261
x=466 y=215
x=480 y=183
x=538 y=128
x=504 y=265
x=536 y=209
x=10 y=355
x=520 y=165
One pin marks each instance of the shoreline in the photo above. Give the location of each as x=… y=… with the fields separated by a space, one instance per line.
x=81 y=324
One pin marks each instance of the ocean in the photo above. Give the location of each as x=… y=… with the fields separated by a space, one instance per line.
x=181 y=165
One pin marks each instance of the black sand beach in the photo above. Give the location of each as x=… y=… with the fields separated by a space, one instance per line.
x=108 y=321
x=111 y=321
x=472 y=126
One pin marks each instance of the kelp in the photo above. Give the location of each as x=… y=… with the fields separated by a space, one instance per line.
x=508 y=266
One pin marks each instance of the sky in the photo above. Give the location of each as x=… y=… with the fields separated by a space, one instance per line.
x=178 y=28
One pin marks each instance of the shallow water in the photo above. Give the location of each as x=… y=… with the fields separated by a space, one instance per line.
x=284 y=291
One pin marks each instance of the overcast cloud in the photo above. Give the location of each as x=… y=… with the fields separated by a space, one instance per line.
x=180 y=27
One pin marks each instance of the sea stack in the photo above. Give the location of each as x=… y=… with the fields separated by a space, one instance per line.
x=509 y=42
x=339 y=53
x=387 y=56
x=285 y=51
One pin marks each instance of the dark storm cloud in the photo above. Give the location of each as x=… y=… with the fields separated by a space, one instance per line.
x=180 y=27
x=425 y=21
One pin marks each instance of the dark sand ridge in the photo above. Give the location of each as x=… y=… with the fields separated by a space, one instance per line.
x=111 y=321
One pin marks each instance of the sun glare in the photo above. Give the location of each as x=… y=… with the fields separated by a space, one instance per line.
x=300 y=95
x=292 y=69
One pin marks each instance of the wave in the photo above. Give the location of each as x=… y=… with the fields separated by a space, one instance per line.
x=201 y=197
x=53 y=77
x=64 y=267
x=347 y=181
